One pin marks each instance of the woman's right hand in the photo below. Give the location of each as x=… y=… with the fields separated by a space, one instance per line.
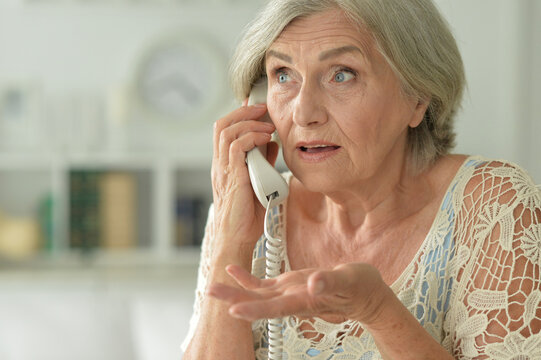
x=238 y=215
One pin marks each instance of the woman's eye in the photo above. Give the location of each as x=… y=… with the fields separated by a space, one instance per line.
x=282 y=77
x=343 y=76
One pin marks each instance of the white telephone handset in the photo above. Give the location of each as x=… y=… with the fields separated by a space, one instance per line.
x=271 y=189
x=267 y=182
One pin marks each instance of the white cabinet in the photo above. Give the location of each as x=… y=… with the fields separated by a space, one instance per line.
x=109 y=313
x=165 y=197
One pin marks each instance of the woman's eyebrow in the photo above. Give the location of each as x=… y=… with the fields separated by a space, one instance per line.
x=338 y=51
x=280 y=56
x=323 y=56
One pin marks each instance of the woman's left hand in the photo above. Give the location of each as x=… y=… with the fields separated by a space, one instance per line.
x=353 y=291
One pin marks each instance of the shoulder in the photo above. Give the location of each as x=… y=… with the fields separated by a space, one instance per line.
x=496 y=199
x=498 y=237
x=485 y=181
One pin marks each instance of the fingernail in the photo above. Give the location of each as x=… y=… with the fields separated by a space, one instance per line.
x=260 y=105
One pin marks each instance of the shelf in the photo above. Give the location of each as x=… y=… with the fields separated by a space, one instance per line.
x=117 y=160
x=173 y=192
x=104 y=260
x=26 y=162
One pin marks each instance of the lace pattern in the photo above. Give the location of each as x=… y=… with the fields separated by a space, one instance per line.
x=474 y=285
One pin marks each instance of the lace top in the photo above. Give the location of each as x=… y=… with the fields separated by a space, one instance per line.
x=474 y=284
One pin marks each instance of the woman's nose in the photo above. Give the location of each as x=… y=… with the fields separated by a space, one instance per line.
x=309 y=109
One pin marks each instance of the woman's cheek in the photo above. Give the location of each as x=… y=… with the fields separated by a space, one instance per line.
x=277 y=111
x=281 y=128
x=280 y=108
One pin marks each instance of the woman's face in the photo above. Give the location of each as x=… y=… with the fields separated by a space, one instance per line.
x=337 y=105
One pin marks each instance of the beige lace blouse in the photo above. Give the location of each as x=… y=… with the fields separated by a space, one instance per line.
x=474 y=284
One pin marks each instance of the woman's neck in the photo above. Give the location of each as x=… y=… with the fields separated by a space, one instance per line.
x=390 y=196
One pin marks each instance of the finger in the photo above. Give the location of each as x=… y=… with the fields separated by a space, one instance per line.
x=276 y=307
x=242 y=277
x=236 y=130
x=261 y=132
x=245 y=143
x=231 y=294
x=228 y=135
x=242 y=113
x=247 y=280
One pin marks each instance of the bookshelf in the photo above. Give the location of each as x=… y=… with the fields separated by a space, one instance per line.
x=102 y=209
x=76 y=109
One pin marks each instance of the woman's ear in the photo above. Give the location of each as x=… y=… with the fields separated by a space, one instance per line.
x=419 y=112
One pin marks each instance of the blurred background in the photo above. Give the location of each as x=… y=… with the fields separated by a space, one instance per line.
x=106 y=112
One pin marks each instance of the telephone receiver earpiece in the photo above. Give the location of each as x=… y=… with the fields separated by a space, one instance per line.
x=266 y=181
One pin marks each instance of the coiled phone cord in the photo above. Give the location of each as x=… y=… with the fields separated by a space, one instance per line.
x=273 y=267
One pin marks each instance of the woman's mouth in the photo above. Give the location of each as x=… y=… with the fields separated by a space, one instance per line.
x=318 y=148
x=316 y=151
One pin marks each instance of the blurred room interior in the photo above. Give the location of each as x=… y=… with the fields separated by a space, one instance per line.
x=106 y=113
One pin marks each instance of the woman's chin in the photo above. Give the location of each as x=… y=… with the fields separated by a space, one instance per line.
x=320 y=182
x=325 y=177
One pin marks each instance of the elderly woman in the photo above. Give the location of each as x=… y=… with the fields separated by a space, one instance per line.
x=394 y=248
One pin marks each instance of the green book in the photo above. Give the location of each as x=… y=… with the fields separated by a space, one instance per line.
x=84 y=209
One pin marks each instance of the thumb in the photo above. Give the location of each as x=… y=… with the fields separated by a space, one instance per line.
x=330 y=282
x=345 y=279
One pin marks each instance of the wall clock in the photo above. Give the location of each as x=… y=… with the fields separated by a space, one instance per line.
x=181 y=78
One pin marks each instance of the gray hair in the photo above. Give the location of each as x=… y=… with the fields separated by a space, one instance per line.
x=411 y=35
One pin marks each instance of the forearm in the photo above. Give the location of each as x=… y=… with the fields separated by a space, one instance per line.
x=221 y=337
x=218 y=335
x=399 y=335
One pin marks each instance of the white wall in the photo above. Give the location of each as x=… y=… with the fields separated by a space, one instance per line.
x=92 y=48
x=80 y=54
x=79 y=46
x=496 y=41
x=533 y=76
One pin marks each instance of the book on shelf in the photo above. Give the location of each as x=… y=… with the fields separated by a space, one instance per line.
x=83 y=209
x=118 y=207
x=103 y=210
x=190 y=220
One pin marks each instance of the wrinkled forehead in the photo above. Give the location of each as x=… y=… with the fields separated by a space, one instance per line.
x=331 y=28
